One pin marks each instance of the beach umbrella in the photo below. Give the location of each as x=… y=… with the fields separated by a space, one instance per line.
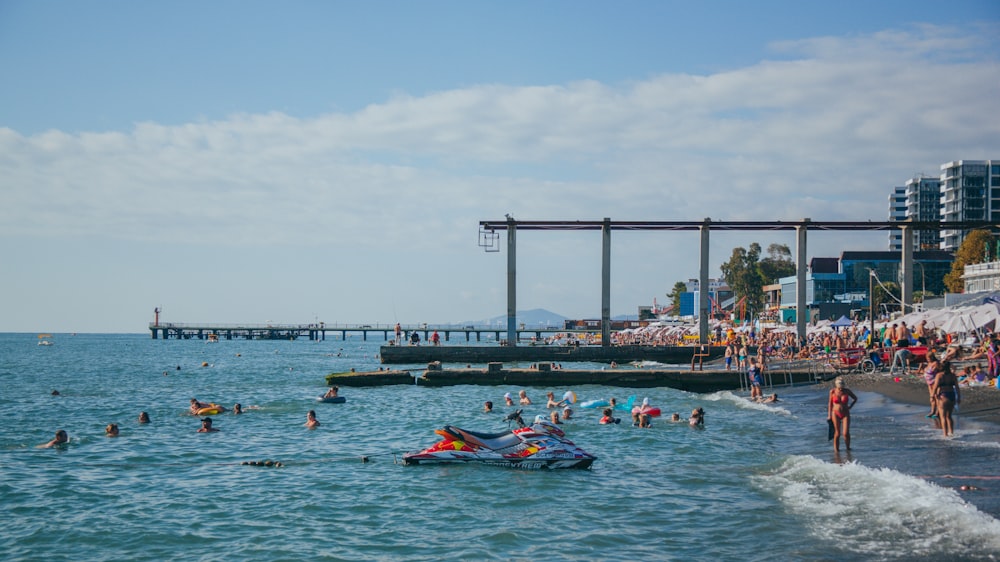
x=959 y=323
x=842 y=322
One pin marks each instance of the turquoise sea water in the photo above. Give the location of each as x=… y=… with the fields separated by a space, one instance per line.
x=758 y=483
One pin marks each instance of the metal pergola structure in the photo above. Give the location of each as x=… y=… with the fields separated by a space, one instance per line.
x=489 y=240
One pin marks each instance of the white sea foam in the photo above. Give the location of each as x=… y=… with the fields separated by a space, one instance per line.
x=741 y=402
x=881 y=513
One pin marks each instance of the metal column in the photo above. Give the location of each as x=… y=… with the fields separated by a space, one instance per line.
x=801 y=312
x=906 y=270
x=511 y=281
x=606 y=283
x=703 y=284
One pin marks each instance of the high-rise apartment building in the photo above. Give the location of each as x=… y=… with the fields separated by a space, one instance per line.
x=897 y=212
x=970 y=191
x=923 y=203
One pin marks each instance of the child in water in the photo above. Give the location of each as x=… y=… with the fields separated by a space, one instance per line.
x=609 y=418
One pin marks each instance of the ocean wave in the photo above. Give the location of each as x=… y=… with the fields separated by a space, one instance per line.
x=746 y=404
x=881 y=513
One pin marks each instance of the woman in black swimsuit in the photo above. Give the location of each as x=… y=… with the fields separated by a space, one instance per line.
x=945 y=388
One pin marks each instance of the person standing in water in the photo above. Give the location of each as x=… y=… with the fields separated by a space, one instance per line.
x=945 y=389
x=838 y=410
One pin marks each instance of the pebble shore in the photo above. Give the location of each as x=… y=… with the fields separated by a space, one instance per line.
x=979 y=402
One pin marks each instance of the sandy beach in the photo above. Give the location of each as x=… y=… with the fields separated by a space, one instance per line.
x=978 y=402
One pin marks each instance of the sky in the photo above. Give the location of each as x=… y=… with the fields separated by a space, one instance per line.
x=303 y=161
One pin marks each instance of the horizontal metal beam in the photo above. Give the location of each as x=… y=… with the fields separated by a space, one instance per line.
x=737 y=225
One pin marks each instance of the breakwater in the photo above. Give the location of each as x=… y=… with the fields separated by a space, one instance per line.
x=409 y=354
x=496 y=375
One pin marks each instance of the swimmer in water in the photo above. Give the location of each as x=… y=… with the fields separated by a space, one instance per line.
x=523 y=398
x=332 y=393
x=488 y=406
x=111 y=430
x=206 y=426
x=61 y=438
x=697 y=418
x=508 y=400
x=143 y=417
x=311 y=421
x=609 y=417
x=196 y=405
x=237 y=409
x=552 y=403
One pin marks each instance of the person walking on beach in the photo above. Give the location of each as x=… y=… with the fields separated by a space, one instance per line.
x=945 y=388
x=838 y=410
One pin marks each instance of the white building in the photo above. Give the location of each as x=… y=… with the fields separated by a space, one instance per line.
x=897 y=212
x=982 y=277
x=923 y=203
x=970 y=191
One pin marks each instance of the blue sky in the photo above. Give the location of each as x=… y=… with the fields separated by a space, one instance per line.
x=286 y=162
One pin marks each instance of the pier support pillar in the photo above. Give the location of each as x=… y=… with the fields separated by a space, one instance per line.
x=606 y=283
x=801 y=312
x=703 y=312
x=511 y=281
x=906 y=271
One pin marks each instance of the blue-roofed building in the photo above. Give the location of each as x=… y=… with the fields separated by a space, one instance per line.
x=844 y=289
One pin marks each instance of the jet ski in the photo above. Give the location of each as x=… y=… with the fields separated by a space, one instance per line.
x=536 y=446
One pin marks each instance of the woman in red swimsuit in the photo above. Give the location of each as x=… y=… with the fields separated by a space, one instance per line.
x=838 y=410
x=930 y=374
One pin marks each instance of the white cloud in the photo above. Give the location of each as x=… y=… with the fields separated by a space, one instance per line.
x=825 y=133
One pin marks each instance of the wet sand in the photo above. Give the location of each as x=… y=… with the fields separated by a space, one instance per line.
x=978 y=402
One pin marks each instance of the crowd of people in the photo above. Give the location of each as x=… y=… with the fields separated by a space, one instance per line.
x=642 y=415
x=112 y=430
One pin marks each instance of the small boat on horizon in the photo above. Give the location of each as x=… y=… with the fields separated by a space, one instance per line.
x=45 y=339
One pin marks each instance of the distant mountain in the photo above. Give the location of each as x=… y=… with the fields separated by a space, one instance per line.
x=532 y=318
x=537 y=317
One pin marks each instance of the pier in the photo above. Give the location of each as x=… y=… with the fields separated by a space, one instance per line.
x=319 y=331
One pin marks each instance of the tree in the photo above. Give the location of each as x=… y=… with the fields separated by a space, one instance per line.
x=675 y=297
x=777 y=264
x=887 y=294
x=974 y=249
x=742 y=274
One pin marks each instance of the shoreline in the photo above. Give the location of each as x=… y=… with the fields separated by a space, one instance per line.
x=977 y=402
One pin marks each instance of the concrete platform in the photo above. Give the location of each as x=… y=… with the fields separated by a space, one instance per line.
x=496 y=375
x=422 y=354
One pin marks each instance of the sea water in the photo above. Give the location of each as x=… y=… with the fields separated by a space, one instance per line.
x=759 y=482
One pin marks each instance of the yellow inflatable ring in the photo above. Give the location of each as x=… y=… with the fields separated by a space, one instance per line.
x=212 y=410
